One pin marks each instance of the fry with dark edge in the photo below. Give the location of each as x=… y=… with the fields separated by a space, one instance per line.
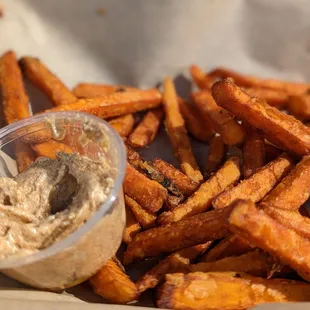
x=226 y=291
x=281 y=129
x=149 y=194
x=113 y=284
x=216 y=155
x=272 y=152
x=194 y=123
x=123 y=124
x=221 y=121
x=201 y=200
x=258 y=185
x=293 y=190
x=115 y=104
x=50 y=148
x=260 y=229
x=169 y=238
x=202 y=80
x=175 y=262
x=299 y=106
x=94 y=90
x=132 y=226
x=46 y=81
x=177 y=133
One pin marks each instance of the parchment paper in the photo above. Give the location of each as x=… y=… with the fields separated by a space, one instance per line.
x=138 y=42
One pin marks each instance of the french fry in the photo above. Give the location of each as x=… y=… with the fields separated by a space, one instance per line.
x=123 y=124
x=146 y=218
x=115 y=104
x=216 y=155
x=293 y=190
x=146 y=131
x=202 y=80
x=226 y=291
x=186 y=185
x=177 y=133
x=253 y=151
x=194 y=123
x=299 y=106
x=132 y=226
x=93 y=90
x=50 y=149
x=169 y=238
x=149 y=194
x=258 y=185
x=272 y=152
x=113 y=284
x=46 y=81
x=242 y=80
x=257 y=227
x=281 y=129
x=229 y=246
x=175 y=262
x=201 y=200
x=255 y=263
x=24 y=156
x=221 y=121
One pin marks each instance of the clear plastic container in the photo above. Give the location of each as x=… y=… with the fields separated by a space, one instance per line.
x=78 y=256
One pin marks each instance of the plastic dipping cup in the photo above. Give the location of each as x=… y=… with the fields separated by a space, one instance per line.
x=80 y=255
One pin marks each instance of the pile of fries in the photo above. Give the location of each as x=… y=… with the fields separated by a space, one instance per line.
x=230 y=237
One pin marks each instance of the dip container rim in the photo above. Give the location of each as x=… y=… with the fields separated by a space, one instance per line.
x=115 y=141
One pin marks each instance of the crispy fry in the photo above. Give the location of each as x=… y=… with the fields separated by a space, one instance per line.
x=272 y=152
x=146 y=218
x=123 y=124
x=281 y=129
x=299 y=106
x=169 y=238
x=201 y=200
x=24 y=156
x=255 y=263
x=221 y=121
x=229 y=246
x=242 y=80
x=45 y=80
x=115 y=104
x=275 y=98
x=175 y=262
x=254 y=154
x=93 y=90
x=182 y=181
x=258 y=185
x=146 y=131
x=50 y=148
x=216 y=155
x=202 y=80
x=194 y=123
x=176 y=131
x=293 y=190
x=149 y=194
x=226 y=291
x=132 y=226
x=257 y=227
x=113 y=284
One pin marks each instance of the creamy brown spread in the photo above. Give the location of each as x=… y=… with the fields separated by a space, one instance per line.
x=49 y=201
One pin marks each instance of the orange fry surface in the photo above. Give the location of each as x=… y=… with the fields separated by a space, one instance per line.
x=226 y=291
x=113 y=284
x=50 y=148
x=299 y=106
x=201 y=200
x=194 y=123
x=221 y=121
x=45 y=80
x=260 y=229
x=123 y=124
x=25 y=156
x=177 y=133
x=149 y=194
x=258 y=185
x=132 y=226
x=93 y=90
x=293 y=190
x=202 y=80
x=115 y=104
x=281 y=129
x=146 y=131
x=216 y=155
x=169 y=238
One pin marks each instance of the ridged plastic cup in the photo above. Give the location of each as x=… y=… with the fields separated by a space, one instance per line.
x=80 y=255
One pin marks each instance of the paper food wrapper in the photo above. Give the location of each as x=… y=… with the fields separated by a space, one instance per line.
x=138 y=43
